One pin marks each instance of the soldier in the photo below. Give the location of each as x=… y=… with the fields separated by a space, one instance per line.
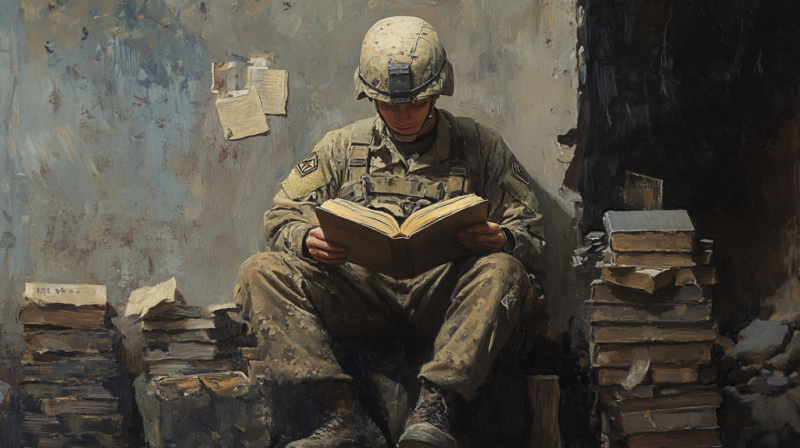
x=304 y=293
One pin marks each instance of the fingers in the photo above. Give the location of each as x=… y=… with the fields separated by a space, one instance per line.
x=325 y=251
x=482 y=243
x=316 y=237
x=488 y=228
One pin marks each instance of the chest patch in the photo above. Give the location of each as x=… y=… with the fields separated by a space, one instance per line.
x=308 y=165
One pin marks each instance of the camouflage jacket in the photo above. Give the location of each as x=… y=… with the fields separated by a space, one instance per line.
x=324 y=175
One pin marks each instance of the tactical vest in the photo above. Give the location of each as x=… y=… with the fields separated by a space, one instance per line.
x=402 y=195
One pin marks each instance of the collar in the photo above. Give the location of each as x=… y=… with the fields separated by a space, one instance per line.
x=439 y=152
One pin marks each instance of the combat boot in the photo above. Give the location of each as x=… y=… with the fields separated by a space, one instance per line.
x=344 y=430
x=428 y=426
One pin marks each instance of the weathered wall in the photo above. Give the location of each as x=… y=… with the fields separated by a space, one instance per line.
x=705 y=96
x=113 y=167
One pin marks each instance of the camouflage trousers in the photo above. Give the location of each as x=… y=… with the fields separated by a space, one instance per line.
x=466 y=310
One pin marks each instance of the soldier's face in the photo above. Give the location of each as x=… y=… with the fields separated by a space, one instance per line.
x=405 y=119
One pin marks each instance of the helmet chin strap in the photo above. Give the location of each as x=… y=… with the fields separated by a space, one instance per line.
x=406 y=138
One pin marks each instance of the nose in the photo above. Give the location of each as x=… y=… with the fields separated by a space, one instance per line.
x=404 y=113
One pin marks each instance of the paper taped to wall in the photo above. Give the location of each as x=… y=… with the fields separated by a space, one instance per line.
x=272 y=88
x=241 y=115
x=224 y=77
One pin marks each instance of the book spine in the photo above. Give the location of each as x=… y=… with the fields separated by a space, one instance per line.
x=402 y=261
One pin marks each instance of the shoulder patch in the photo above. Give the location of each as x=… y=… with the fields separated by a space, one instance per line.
x=516 y=187
x=304 y=178
x=308 y=165
x=518 y=172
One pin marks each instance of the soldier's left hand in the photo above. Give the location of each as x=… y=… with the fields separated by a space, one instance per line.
x=478 y=238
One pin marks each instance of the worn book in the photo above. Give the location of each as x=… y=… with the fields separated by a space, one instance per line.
x=660 y=374
x=89 y=317
x=180 y=324
x=426 y=239
x=66 y=294
x=687 y=438
x=649 y=231
x=645 y=279
x=180 y=351
x=609 y=292
x=47 y=357
x=188 y=367
x=42 y=341
x=36 y=423
x=179 y=336
x=705 y=275
x=89 y=389
x=649 y=259
x=70 y=371
x=647 y=313
x=619 y=355
x=76 y=405
x=626 y=334
x=651 y=391
x=696 y=410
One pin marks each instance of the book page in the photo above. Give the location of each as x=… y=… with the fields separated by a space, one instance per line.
x=48 y=293
x=436 y=212
x=272 y=88
x=242 y=115
x=144 y=299
x=365 y=216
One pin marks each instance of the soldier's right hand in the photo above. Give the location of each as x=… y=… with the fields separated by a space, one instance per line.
x=324 y=251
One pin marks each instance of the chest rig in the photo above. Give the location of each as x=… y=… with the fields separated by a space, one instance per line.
x=402 y=195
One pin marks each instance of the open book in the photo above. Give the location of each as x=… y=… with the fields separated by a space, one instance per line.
x=426 y=238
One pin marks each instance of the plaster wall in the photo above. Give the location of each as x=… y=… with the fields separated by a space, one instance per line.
x=113 y=167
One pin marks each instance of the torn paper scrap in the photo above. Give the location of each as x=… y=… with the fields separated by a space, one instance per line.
x=259 y=59
x=272 y=86
x=241 y=115
x=639 y=368
x=224 y=77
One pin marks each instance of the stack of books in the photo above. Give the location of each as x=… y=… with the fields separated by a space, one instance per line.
x=183 y=339
x=652 y=334
x=69 y=367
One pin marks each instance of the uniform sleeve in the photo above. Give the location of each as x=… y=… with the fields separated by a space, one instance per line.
x=512 y=204
x=311 y=182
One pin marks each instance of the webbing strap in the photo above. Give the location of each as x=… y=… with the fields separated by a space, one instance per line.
x=360 y=139
x=467 y=149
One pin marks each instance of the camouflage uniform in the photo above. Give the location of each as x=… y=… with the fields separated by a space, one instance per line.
x=467 y=309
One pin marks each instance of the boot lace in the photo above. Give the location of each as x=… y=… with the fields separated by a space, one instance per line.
x=328 y=427
x=432 y=409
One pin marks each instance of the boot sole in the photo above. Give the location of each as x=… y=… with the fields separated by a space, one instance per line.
x=425 y=435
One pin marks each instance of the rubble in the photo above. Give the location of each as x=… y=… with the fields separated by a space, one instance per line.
x=761 y=340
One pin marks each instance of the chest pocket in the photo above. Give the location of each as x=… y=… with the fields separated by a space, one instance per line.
x=401 y=195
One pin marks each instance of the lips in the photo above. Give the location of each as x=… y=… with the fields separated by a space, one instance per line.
x=405 y=130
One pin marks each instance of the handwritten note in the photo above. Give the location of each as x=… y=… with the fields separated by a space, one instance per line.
x=242 y=115
x=272 y=87
x=49 y=293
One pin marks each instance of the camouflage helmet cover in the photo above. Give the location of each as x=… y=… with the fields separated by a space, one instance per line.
x=396 y=49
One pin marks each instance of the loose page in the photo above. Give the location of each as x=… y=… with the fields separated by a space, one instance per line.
x=242 y=115
x=272 y=87
x=144 y=299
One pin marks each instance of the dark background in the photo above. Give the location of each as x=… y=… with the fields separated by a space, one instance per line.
x=704 y=95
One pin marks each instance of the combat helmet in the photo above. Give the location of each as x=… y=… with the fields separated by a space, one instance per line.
x=403 y=59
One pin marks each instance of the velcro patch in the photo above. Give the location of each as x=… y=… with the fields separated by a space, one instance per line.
x=518 y=189
x=308 y=165
x=518 y=172
x=304 y=178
